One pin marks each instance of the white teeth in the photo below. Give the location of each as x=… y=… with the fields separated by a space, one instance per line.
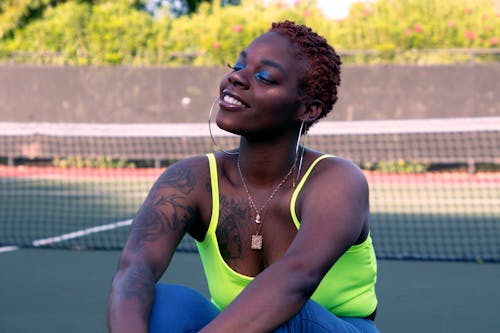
x=231 y=100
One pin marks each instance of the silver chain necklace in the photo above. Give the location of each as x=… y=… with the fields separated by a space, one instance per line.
x=257 y=237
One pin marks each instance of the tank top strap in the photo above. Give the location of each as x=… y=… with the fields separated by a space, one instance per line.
x=299 y=187
x=214 y=181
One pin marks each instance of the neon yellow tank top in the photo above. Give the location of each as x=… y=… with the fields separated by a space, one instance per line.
x=348 y=289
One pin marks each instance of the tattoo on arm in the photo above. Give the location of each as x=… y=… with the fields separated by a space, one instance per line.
x=164 y=210
x=181 y=179
x=138 y=285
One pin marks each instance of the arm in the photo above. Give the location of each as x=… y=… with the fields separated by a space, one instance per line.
x=333 y=209
x=161 y=222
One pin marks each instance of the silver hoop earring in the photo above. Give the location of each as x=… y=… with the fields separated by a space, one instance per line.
x=210 y=130
x=301 y=153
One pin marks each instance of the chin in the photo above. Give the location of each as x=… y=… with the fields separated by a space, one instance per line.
x=227 y=126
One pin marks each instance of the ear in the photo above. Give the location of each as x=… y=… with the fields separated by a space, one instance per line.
x=311 y=112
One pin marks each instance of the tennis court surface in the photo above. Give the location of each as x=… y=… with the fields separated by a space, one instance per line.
x=68 y=193
x=60 y=291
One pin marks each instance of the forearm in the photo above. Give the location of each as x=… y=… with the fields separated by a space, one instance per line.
x=275 y=296
x=130 y=300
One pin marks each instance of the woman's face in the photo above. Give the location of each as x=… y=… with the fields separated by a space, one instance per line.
x=261 y=94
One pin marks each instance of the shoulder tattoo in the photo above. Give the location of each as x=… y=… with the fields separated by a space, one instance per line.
x=165 y=209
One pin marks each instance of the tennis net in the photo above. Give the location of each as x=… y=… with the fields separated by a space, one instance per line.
x=434 y=183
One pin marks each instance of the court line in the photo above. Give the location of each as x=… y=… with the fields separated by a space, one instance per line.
x=4 y=249
x=71 y=235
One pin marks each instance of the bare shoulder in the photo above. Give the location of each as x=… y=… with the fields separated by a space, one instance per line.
x=185 y=175
x=184 y=185
x=195 y=164
x=175 y=202
x=335 y=200
x=337 y=172
x=341 y=187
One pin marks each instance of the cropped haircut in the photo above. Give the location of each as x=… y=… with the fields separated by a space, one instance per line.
x=321 y=77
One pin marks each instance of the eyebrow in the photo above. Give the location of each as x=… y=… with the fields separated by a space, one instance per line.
x=268 y=62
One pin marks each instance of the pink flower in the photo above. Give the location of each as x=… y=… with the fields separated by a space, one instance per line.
x=367 y=12
x=407 y=32
x=307 y=13
x=237 y=28
x=216 y=45
x=493 y=41
x=468 y=10
x=451 y=23
x=469 y=34
x=485 y=17
x=417 y=28
x=487 y=28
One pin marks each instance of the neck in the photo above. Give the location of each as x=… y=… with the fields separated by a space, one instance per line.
x=265 y=163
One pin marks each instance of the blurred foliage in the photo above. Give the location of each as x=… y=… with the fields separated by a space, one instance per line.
x=100 y=162
x=109 y=32
x=400 y=166
x=177 y=8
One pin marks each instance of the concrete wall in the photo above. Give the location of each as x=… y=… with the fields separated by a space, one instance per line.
x=158 y=95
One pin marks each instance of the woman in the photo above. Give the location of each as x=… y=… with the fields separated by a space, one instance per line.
x=282 y=230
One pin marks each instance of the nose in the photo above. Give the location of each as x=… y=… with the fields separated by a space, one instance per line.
x=238 y=79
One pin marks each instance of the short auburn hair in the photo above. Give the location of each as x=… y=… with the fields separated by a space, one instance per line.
x=322 y=75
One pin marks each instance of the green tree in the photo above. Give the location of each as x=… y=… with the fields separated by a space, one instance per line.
x=181 y=7
x=101 y=32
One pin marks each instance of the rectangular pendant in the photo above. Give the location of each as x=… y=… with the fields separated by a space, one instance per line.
x=256 y=242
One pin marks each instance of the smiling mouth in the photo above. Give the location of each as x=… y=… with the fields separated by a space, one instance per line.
x=231 y=101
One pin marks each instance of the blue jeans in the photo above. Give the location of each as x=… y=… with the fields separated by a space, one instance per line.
x=179 y=309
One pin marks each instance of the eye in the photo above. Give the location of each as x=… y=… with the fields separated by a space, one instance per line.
x=264 y=77
x=238 y=66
